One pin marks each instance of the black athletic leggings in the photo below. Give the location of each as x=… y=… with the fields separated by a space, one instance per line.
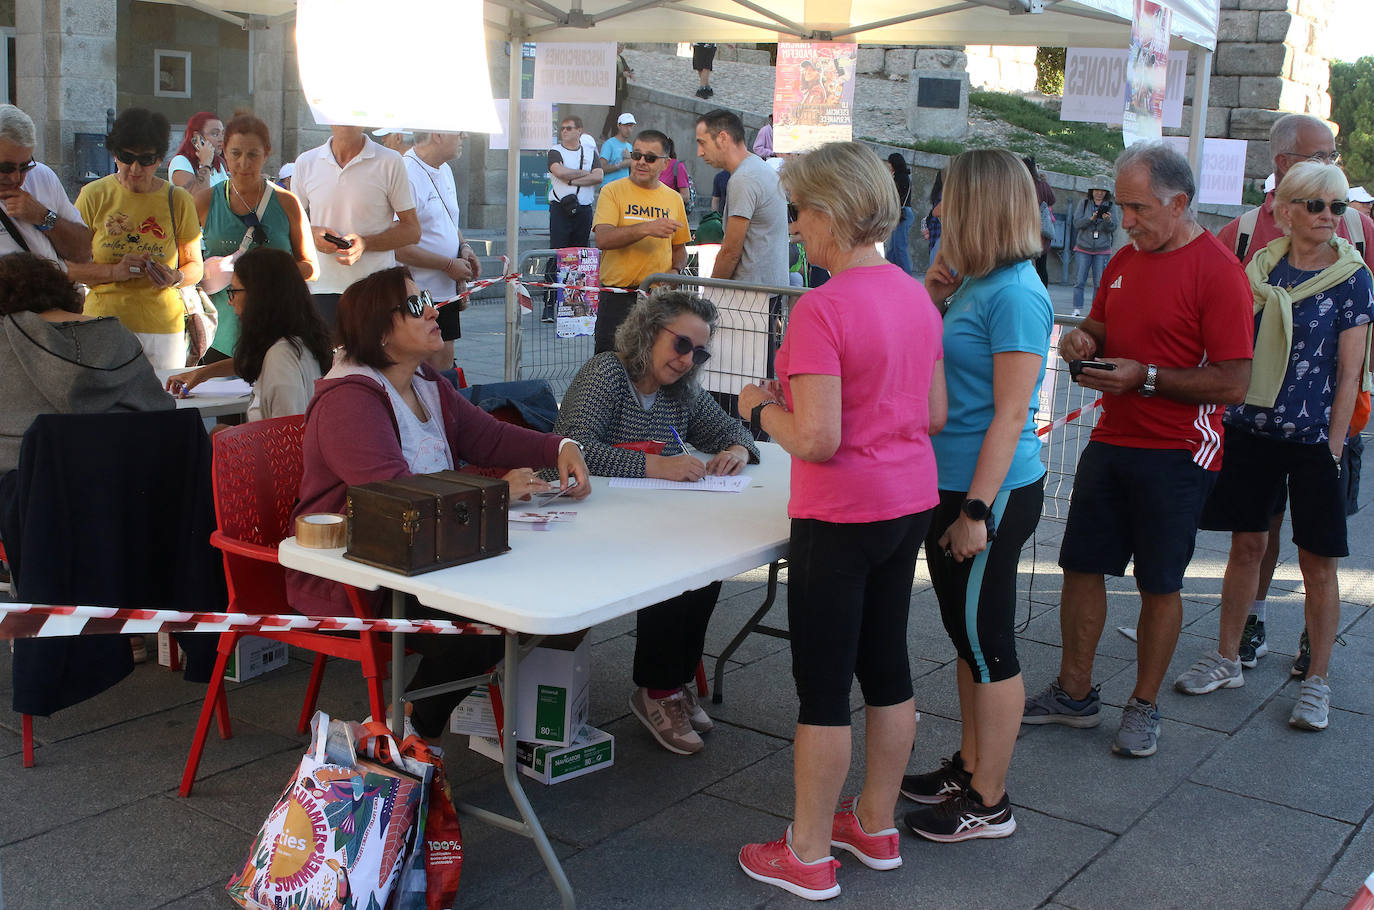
x=978 y=596
x=848 y=595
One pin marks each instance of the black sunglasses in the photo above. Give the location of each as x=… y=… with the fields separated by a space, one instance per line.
x=416 y=303
x=259 y=235
x=684 y=345
x=650 y=157
x=9 y=167
x=148 y=159
x=1317 y=206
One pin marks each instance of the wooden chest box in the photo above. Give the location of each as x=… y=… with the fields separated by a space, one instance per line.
x=426 y=522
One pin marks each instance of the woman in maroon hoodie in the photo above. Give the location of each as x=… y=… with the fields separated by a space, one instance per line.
x=381 y=413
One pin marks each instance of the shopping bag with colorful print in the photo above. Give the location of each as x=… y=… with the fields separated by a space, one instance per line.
x=336 y=838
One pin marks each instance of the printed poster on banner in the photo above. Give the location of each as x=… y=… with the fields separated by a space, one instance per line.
x=1222 y=176
x=813 y=96
x=536 y=125
x=1147 y=70
x=1095 y=83
x=579 y=271
x=574 y=73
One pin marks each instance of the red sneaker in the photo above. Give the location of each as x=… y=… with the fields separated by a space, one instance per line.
x=876 y=851
x=775 y=864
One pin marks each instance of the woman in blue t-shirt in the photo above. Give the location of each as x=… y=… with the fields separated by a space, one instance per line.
x=1313 y=308
x=998 y=319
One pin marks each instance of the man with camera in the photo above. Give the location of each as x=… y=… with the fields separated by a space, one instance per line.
x=1169 y=340
x=641 y=227
x=574 y=173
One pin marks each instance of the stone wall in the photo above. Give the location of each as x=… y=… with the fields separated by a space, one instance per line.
x=1270 y=60
x=996 y=68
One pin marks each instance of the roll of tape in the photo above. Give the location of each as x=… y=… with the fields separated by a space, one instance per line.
x=321 y=530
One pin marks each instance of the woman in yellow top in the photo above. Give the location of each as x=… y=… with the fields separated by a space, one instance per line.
x=138 y=258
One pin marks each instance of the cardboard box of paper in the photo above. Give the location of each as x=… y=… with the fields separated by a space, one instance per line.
x=555 y=687
x=592 y=750
x=254 y=656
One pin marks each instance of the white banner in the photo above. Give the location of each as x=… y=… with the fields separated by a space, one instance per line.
x=1223 y=169
x=574 y=73
x=1095 y=83
x=536 y=125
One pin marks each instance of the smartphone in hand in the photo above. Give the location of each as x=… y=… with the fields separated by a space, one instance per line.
x=1076 y=366
x=338 y=241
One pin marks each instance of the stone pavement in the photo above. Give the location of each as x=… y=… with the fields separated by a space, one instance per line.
x=1236 y=811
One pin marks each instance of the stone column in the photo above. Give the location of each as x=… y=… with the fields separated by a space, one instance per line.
x=269 y=57
x=65 y=73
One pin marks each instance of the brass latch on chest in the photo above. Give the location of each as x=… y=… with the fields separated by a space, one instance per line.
x=410 y=523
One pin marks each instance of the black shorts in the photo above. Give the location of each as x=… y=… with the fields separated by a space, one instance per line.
x=1135 y=503
x=703 y=56
x=449 y=326
x=1255 y=470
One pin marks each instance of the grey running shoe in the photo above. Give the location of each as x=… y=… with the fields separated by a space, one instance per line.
x=1252 y=646
x=1211 y=672
x=1052 y=705
x=1314 y=703
x=1139 y=733
x=1304 y=658
x=696 y=714
x=666 y=719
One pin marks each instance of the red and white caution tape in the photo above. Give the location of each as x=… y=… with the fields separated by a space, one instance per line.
x=41 y=621
x=522 y=288
x=1060 y=422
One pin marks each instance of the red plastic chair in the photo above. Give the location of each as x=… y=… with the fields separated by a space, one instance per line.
x=257 y=478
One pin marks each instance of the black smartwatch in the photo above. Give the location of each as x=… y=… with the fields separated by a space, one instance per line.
x=755 y=414
x=978 y=510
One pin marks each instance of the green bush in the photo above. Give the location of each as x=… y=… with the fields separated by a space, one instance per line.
x=1049 y=70
x=1352 y=107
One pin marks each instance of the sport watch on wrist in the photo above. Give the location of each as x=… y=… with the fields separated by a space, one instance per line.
x=49 y=221
x=977 y=510
x=755 y=414
x=1151 y=374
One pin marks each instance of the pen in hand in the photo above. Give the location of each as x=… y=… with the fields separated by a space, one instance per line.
x=680 y=444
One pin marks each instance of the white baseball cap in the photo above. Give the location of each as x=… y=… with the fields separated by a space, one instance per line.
x=1269 y=183
x=287 y=170
x=383 y=133
x=626 y=118
x=1359 y=194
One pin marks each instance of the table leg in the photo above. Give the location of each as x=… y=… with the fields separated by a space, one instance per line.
x=398 y=656
x=512 y=776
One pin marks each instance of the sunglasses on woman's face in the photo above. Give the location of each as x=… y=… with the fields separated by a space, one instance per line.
x=649 y=157
x=1317 y=206
x=9 y=167
x=682 y=346
x=416 y=303
x=147 y=159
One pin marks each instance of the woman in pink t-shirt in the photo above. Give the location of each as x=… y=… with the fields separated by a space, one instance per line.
x=861 y=389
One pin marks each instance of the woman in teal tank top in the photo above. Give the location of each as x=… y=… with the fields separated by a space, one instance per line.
x=229 y=211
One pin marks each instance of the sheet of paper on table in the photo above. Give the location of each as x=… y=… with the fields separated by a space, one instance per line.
x=539 y=521
x=710 y=484
x=226 y=385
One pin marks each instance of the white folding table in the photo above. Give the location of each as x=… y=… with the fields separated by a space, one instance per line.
x=627 y=549
x=207 y=400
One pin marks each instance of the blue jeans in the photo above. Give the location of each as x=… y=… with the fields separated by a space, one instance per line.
x=1094 y=262
x=897 y=245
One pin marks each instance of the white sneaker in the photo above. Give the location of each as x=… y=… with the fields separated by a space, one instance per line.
x=1314 y=704
x=1211 y=672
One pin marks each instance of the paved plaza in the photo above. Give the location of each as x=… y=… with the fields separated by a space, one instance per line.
x=1236 y=811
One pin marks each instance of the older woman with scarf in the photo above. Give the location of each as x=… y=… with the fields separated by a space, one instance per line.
x=1313 y=308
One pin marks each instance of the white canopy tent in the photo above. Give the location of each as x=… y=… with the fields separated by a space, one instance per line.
x=1035 y=23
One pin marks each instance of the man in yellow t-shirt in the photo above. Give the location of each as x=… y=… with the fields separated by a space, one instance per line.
x=640 y=226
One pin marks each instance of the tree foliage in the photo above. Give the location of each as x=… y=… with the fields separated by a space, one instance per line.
x=1049 y=70
x=1352 y=107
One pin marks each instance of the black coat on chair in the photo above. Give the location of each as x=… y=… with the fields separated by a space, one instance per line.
x=111 y=510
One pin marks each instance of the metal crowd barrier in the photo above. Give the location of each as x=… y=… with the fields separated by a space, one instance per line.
x=1060 y=396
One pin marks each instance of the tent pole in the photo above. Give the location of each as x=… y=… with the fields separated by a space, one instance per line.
x=517 y=66
x=1202 y=87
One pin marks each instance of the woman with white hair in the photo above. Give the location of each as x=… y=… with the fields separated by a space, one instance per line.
x=860 y=390
x=1313 y=308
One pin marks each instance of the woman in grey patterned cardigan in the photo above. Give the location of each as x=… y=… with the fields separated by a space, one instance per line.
x=646 y=390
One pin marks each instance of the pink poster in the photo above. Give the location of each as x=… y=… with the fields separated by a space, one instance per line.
x=1147 y=69
x=579 y=270
x=813 y=97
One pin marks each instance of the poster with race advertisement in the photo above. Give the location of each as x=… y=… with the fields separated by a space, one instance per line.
x=1147 y=70
x=579 y=273
x=813 y=95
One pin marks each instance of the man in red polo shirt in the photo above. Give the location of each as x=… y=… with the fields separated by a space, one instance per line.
x=1172 y=316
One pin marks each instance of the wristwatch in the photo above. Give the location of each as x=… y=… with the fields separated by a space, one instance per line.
x=1151 y=374
x=49 y=221
x=977 y=510
x=756 y=413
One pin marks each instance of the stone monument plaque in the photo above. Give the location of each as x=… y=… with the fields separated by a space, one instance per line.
x=937 y=105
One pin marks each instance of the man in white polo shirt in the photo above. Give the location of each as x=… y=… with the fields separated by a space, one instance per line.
x=441 y=262
x=37 y=215
x=355 y=191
